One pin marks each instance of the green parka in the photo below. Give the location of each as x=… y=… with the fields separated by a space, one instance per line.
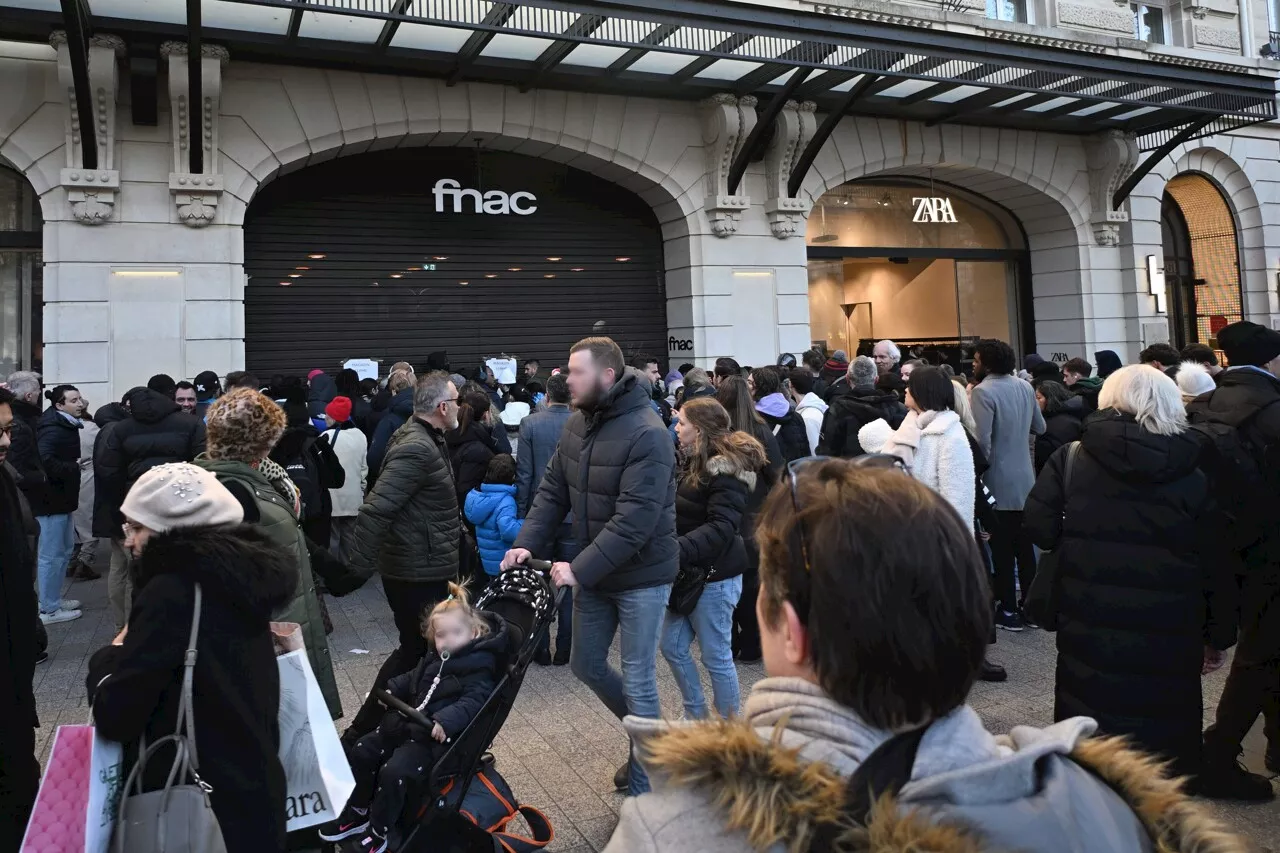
x=281 y=525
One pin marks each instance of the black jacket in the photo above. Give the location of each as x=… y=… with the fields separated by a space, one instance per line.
x=59 y=441
x=709 y=515
x=793 y=438
x=398 y=412
x=850 y=412
x=409 y=526
x=615 y=470
x=322 y=389
x=244 y=578
x=1143 y=587
x=1247 y=399
x=156 y=432
x=24 y=453
x=466 y=680
x=1062 y=427
x=469 y=453
x=18 y=622
x=765 y=481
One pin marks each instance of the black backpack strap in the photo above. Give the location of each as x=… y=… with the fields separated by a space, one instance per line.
x=885 y=771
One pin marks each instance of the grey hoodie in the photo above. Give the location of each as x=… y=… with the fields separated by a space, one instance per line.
x=730 y=786
x=813 y=410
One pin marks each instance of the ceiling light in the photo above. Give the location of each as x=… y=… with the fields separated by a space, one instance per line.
x=373 y=284
x=302 y=268
x=577 y=269
x=556 y=258
x=622 y=259
x=286 y=284
x=464 y=283
x=316 y=257
x=396 y=275
x=550 y=275
x=885 y=200
x=491 y=275
x=513 y=269
x=295 y=275
x=146 y=273
x=413 y=269
x=439 y=257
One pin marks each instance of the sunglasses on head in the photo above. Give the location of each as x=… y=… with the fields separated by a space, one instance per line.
x=867 y=460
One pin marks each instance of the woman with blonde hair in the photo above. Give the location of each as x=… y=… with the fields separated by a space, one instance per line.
x=1144 y=598
x=718 y=471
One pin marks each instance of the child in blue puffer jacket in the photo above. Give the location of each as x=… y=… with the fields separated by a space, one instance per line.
x=492 y=509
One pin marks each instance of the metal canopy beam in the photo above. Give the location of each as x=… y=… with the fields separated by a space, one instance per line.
x=824 y=132
x=1122 y=191
x=390 y=27
x=755 y=141
x=554 y=55
x=78 y=21
x=657 y=37
x=195 y=84
x=496 y=17
x=295 y=24
x=763 y=76
x=701 y=64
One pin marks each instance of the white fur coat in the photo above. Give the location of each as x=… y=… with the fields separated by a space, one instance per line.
x=934 y=447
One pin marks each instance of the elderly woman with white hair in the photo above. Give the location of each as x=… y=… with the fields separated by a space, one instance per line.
x=1144 y=597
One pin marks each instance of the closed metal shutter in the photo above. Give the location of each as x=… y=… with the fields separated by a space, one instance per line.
x=350 y=259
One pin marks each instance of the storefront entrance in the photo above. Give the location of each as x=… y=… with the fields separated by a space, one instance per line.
x=394 y=255
x=925 y=264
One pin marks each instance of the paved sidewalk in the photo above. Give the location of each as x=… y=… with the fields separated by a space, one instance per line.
x=559 y=748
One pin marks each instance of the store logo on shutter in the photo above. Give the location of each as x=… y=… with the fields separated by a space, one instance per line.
x=493 y=202
x=933 y=209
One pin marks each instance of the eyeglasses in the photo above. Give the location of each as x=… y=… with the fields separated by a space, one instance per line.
x=450 y=400
x=130 y=528
x=7 y=430
x=793 y=467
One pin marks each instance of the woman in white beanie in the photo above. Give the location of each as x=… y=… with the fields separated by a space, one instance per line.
x=185 y=528
x=1193 y=380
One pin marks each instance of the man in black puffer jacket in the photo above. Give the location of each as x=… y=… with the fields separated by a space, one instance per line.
x=615 y=470
x=156 y=431
x=860 y=404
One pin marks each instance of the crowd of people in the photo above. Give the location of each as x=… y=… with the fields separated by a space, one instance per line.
x=864 y=526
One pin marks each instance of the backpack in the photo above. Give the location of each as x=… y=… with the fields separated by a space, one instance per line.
x=487 y=807
x=315 y=470
x=1234 y=465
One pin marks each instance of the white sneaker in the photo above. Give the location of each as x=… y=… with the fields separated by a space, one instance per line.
x=60 y=615
x=69 y=604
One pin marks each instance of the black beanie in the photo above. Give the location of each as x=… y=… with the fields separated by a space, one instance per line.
x=1249 y=343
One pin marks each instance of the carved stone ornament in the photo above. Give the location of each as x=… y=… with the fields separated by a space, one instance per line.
x=1111 y=157
x=727 y=120
x=91 y=193
x=792 y=130
x=196 y=196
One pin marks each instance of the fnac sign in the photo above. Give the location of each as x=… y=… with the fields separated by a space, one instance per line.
x=495 y=202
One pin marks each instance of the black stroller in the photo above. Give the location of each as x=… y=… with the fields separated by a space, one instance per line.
x=525 y=598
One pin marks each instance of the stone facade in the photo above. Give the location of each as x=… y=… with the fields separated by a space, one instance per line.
x=158 y=282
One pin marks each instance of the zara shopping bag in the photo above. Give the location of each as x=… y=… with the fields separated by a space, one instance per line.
x=178 y=818
x=76 y=807
x=318 y=779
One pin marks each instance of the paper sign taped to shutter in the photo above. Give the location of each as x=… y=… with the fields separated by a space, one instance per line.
x=365 y=368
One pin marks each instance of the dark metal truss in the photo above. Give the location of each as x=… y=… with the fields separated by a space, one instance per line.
x=834 y=61
x=79 y=24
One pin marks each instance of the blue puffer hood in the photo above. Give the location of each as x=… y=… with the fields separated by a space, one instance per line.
x=483 y=502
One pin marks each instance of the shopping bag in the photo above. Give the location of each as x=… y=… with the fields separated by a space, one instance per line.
x=318 y=778
x=76 y=807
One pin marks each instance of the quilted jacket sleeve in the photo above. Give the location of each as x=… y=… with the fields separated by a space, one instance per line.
x=550 y=506
x=726 y=501
x=404 y=472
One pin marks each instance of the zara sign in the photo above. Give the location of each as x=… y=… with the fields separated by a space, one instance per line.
x=493 y=202
x=933 y=209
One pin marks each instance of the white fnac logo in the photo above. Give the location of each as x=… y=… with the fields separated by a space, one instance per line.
x=493 y=202
x=933 y=209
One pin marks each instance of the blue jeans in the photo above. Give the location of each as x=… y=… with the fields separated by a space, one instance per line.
x=597 y=616
x=57 y=541
x=712 y=623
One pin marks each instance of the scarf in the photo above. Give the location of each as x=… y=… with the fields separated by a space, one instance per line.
x=906 y=438
x=280 y=481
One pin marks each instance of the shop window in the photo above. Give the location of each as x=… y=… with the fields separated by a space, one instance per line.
x=930 y=266
x=1150 y=23
x=21 y=279
x=1008 y=10
x=1202 y=260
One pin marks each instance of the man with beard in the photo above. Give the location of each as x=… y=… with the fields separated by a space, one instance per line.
x=409 y=527
x=614 y=469
x=185 y=396
x=19 y=771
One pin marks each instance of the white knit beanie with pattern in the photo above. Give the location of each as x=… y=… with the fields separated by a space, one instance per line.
x=180 y=494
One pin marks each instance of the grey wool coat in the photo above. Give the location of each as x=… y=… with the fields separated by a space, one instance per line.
x=1007 y=415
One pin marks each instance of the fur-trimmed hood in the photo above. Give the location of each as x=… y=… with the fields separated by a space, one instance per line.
x=239 y=564
x=733 y=464
x=765 y=782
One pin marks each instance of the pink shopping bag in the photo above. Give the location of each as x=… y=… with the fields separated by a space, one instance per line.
x=79 y=794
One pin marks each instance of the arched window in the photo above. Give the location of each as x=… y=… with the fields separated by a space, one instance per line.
x=1202 y=260
x=21 y=280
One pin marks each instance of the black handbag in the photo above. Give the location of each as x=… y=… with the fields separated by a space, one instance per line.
x=687 y=589
x=1042 y=598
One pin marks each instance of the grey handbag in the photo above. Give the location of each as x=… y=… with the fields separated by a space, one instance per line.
x=178 y=818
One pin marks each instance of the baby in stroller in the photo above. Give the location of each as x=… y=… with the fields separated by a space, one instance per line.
x=449 y=686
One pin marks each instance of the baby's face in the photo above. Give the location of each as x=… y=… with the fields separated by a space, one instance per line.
x=452 y=631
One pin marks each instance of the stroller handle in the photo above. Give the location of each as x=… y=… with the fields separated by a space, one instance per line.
x=543 y=566
x=396 y=704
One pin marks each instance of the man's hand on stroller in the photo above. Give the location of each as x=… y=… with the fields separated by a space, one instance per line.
x=437 y=732
x=516 y=557
x=562 y=574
